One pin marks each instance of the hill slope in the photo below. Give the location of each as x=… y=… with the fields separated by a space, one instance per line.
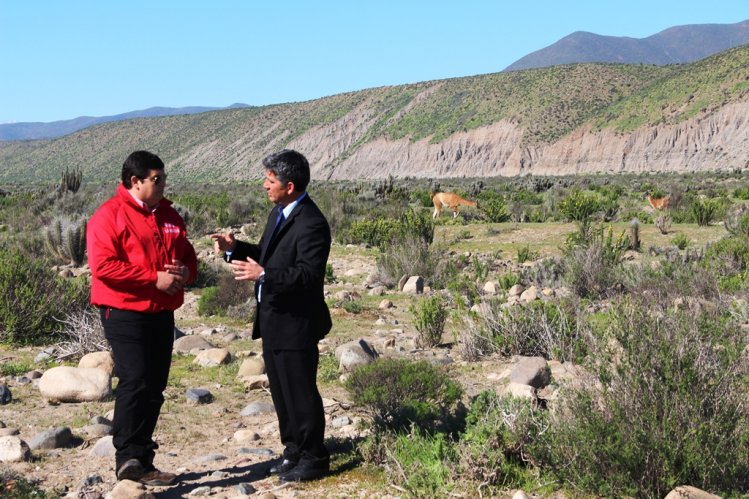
x=565 y=119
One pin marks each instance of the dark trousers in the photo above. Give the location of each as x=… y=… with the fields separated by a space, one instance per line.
x=142 y=350
x=292 y=375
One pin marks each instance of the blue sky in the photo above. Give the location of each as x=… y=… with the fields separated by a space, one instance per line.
x=64 y=59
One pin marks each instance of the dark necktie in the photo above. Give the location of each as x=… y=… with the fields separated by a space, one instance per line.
x=279 y=222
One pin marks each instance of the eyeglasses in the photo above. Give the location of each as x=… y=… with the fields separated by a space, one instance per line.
x=156 y=179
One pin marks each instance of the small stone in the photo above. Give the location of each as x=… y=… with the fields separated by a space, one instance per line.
x=5 y=395
x=246 y=489
x=199 y=396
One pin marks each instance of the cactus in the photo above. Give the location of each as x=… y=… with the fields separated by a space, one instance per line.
x=70 y=181
x=66 y=239
x=736 y=222
x=634 y=235
x=663 y=222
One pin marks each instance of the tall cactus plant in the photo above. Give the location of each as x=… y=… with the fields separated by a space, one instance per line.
x=70 y=181
x=66 y=239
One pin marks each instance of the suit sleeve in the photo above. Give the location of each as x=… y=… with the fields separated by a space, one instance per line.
x=244 y=250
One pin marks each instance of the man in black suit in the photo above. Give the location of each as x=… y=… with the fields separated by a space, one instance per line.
x=288 y=267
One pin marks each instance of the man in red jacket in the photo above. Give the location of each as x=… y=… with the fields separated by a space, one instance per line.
x=140 y=261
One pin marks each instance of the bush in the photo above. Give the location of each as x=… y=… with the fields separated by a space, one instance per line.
x=592 y=263
x=33 y=297
x=430 y=315
x=668 y=410
x=680 y=240
x=399 y=393
x=579 y=207
x=15 y=486
x=218 y=300
x=547 y=329
x=526 y=254
x=495 y=447
x=493 y=206
x=410 y=255
x=703 y=212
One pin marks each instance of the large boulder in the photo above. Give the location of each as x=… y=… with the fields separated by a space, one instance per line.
x=75 y=384
x=100 y=360
x=354 y=354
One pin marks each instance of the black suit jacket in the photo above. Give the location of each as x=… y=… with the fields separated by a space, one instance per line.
x=292 y=313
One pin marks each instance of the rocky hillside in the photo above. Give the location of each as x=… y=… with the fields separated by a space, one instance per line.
x=567 y=119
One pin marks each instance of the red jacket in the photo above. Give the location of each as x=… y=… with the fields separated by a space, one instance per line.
x=127 y=244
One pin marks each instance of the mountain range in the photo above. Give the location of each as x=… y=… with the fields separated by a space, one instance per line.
x=564 y=119
x=676 y=45
x=38 y=130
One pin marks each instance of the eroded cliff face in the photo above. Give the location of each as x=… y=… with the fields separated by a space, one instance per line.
x=719 y=141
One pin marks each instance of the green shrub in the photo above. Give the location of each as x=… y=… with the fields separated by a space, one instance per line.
x=410 y=255
x=352 y=307
x=424 y=463
x=592 y=263
x=741 y=192
x=500 y=432
x=430 y=315
x=507 y=280
x=14 y=486
x=579 y=207
x=493 y=206
x=218 y=300
x=680 y=240
x=666 y=412
x=542 y=328
x=526 y=254
x=703 y=211
x=329 y=274
x=33 y=298
x=399 y=393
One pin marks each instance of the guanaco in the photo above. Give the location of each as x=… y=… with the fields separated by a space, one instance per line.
x=660 y=203
x=451 y=200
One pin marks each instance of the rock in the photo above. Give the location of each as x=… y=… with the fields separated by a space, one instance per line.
x=198 y=396
x=127 y=489
x=188 y=344
x=530 y=294
x=377 y=291
x=55 y=438
x=258 y=408
x=209 y=458
x=531 y=371
x=516 y=290
x=7 y=432
x=257 y=382
x=103 y=447
x=13 y=450
x=98 y=360
x=97 y=430
x=340 y=422
x=245 y=436
x=205 y=490
x=75 y=384
x=353 y=354
x=491 y=288
x=246 y=488
x=689 y=492
x=251 y=367
x=402 y=282
x=520 y=495
x=5 y=395
x=414 y=285
x=256 y=452
x=45 y=355
x=213 y=357
x=519 y=390
x=100 y=420
x=385 y=304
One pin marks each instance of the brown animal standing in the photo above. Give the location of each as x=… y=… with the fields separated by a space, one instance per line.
x=450 y=200
x=660 y=203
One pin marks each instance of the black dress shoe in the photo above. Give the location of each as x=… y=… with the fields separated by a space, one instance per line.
x=284 y=466
x=304 y=472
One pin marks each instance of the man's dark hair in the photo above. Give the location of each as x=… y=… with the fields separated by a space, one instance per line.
x=289 y=166
x=139 y=164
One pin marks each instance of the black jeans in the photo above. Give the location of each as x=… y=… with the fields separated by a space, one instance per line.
x=142 y=350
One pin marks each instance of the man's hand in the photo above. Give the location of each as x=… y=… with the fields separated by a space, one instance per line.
x=224 y=242
x=246 y=271
x=178 y=269
x=168 y=283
